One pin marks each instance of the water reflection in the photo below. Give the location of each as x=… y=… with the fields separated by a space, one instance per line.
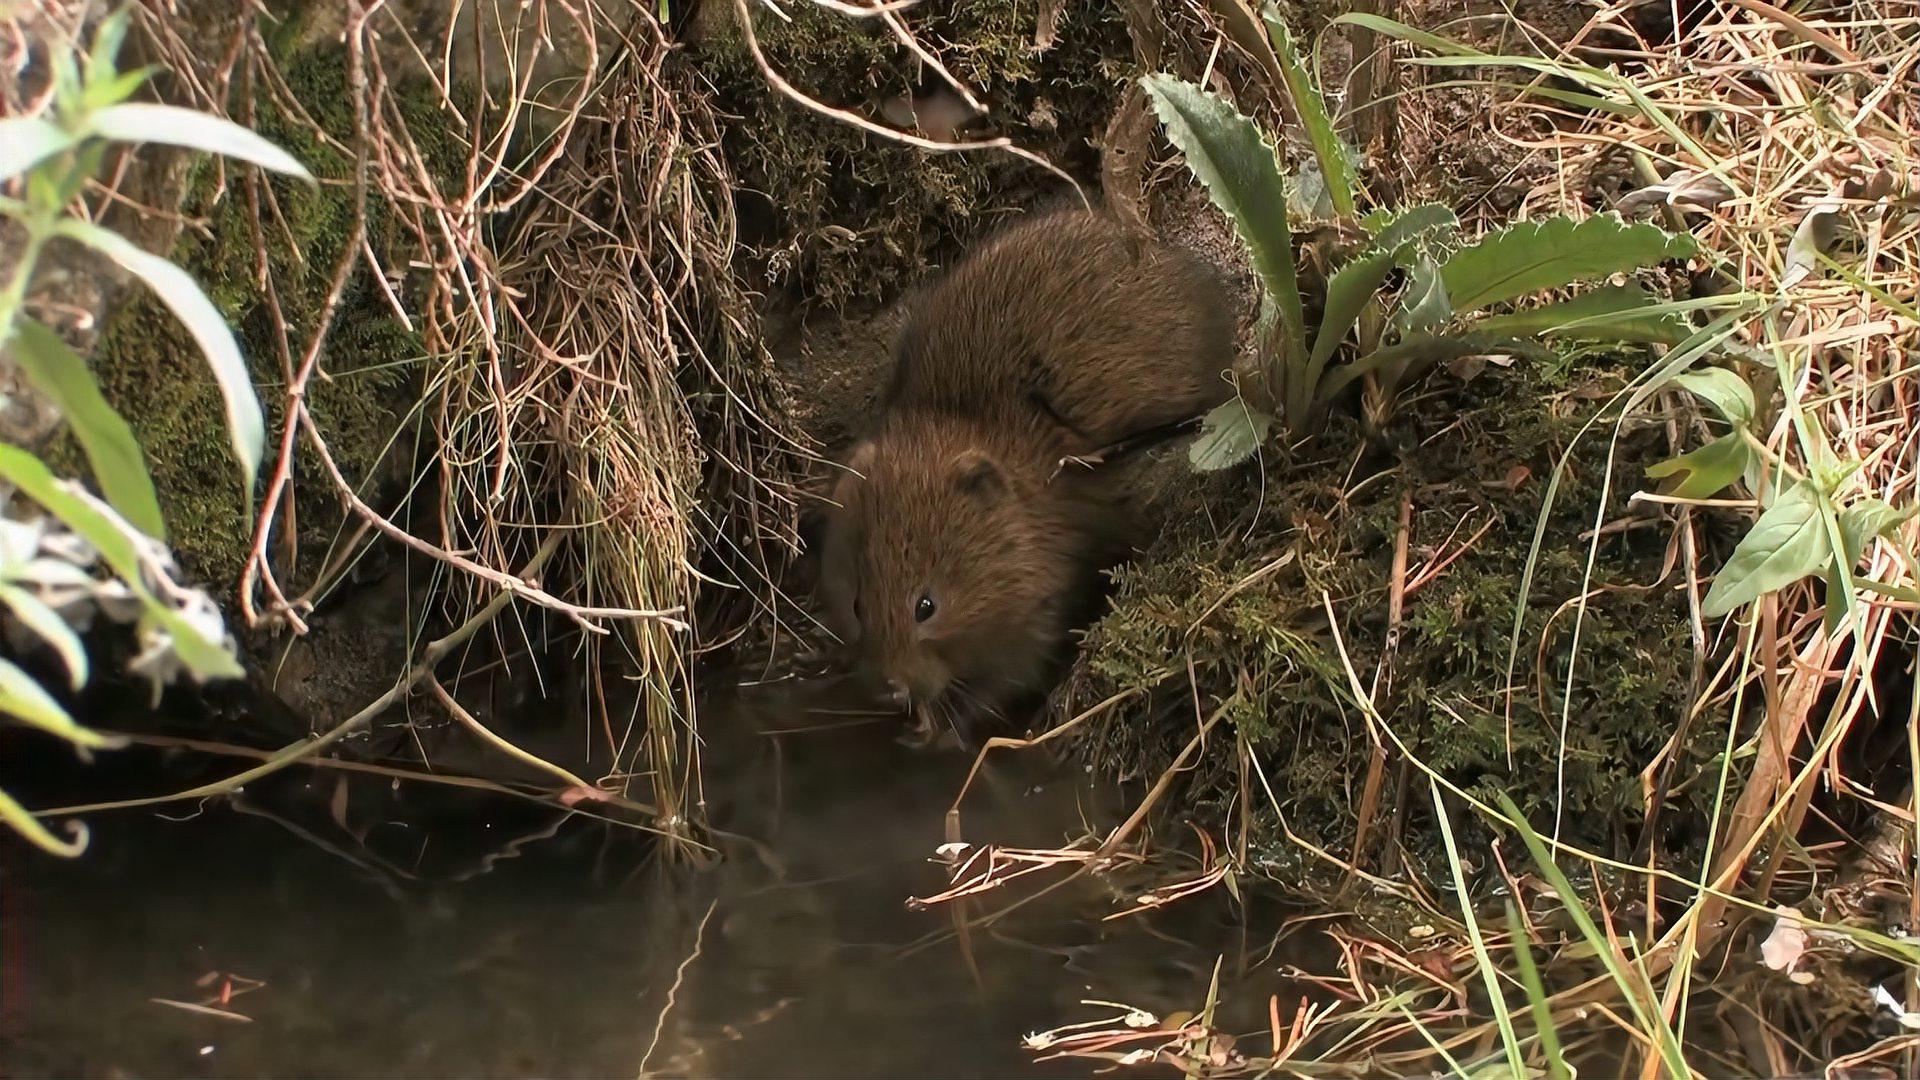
x=476 y=938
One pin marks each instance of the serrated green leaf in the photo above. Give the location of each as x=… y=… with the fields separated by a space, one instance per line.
x=1707 y=470
x=118 y=464
x=1727 y=392
x=176 y=288
x=1394 y=229
x=1227 y=152
x=26 y=141
x=36 y=834
x=1229 y=435
x=1424 y=306
x=141 y=121
x=1335 y=160
x=1866 y=519
x=1537 y=255
x=1348 y=291
x=1418 y=352
x=48 y=626
x=206 y=659
x=1786 y=544
x=1611 y=313
x=22 y=698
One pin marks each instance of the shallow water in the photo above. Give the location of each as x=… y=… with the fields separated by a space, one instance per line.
x=434 y=944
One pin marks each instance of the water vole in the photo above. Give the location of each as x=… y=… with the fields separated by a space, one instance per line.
x=959 y=555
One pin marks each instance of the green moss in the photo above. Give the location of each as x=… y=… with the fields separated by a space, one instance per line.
x=1267 y=653
x=847 y=217
x=150 y=370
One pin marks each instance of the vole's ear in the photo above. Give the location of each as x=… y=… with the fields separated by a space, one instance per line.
x=975 y=472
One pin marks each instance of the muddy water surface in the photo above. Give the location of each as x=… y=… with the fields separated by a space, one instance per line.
x=314 y=929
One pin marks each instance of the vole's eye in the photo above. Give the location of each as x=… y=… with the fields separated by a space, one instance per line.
x=924 y=609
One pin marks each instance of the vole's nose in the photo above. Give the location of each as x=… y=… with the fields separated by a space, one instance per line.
x=898 y=693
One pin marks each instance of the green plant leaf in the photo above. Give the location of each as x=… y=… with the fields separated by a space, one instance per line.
x=105 y=50
x=1424 y=306
x=120 y=87
x=1416 y=353
x=36 y=834
x=1394 y=229
x=26 y=141
x=1348 y=292
x=1786 y=544
x=176 y=288
x=1229 y=435
x=23 y=698
x=1611 y=313
x=141 y=121
x=1707 y=470
x=1335 y=160
x=1726 y=391
x=49 y=627
x=1226 y=151
x=1552 y=254
x=1866 y=519
x=118 y=463
x=206 y=659
x=1537 y=1002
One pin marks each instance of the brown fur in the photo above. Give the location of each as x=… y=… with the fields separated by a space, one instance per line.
x=1061 y=335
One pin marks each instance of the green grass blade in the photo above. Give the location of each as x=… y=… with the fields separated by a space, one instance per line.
x=1537 y=999
x=1482 y=960
x=1336 y=164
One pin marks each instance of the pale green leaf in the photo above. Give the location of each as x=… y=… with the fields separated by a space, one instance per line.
x=1229 y=435
x=206 y=659
x=1611 y=313
x=1424 y=306
x=105 y=50
x=146 y=122
x=28 y=826
x=49 y=627
x=1226 y=151
x=114 y=453
x=22 y=698
x=26 y=141
x=1348 y=292
x=1786 y=544
x=176 y=288
x=1537 y=255
x=1707 y=470
x=1866 y=519
x=1726 y=391
x=1335 y=160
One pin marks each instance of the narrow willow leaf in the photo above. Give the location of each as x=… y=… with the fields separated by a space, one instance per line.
x=48 y=626
x=1786 y=544
x=1335 y=160
x=1348 y=292
x=1226 y=151
x=1866 y=519
x=1424 y=306
x=114 y=453
x=246 y=426
x=1706 y=471
x=1554 y=253
x=1612 y=313
x=1727 y=392
x=206 y=659
x=26 y=141
x=1229 y=435
x=23 y=698
x=145 y=122
x=24 y=823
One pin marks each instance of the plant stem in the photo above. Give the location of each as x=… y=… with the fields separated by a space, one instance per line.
x=14 y=298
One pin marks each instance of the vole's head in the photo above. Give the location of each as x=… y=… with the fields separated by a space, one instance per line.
x=942 y=571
